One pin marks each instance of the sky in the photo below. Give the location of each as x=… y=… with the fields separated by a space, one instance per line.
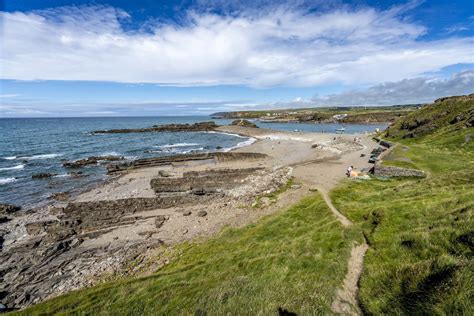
x=177 y=57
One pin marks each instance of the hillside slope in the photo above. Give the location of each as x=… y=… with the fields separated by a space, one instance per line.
x=447 y=119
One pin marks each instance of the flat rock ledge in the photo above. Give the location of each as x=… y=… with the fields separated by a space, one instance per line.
x=167 y=160
x=196 y=127
x=396 y=172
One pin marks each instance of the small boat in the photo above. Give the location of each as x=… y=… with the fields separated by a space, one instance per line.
x=340 y=130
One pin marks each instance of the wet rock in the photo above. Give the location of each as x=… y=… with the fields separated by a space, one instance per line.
x=60 y=196
x=43 y=175
x=93 y=160
x=196 y=127
x=201 y=213
x=168 y=160
x=244 y=123
x=9 y=208
x=4 y=219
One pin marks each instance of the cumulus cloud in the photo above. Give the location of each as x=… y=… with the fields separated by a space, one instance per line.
x=416 y=90
x=277 y=46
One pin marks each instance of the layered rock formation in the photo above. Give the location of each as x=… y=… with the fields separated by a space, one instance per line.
x=196 y=127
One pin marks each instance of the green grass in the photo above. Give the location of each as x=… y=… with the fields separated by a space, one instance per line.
x=295 y=259
x=274 y=195
x=420 y=232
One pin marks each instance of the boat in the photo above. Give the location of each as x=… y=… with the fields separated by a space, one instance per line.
x=340 y=130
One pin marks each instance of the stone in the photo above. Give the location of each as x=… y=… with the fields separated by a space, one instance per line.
x=184 y=231
x=296 y=186
x=160 y=220
x=43 y=175
x=187 y=213
x=164 y=174
x=9 y=208
x=313 y=189
x=201 y=213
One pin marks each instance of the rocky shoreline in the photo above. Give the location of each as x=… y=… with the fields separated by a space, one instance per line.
x=52 y=250
x=196 y=127
x=152 y=204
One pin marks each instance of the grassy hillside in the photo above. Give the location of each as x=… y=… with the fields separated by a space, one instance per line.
x=421 y=232
x=322 y=114
x=294 y=260
x=447 y=121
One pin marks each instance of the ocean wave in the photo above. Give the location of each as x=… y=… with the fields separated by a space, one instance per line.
x=7 y=180
x=62 y=175
x=44 y=156
x=245 y=143
x=111 y=153
x=177 y=145
x=10 y=158
x=18 y=167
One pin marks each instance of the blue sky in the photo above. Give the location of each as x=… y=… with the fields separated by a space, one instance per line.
x=111 y=58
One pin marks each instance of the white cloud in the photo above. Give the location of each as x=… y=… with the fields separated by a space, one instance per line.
x=281 y=46
x=416 y=90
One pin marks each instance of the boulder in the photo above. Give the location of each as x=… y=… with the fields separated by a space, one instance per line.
x=201 y=213
x=9 y=208
x=244 y=123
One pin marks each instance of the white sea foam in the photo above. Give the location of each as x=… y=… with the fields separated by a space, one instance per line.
x=62 y=175
x=111 y=153
x=10 y=158
x=6 y=180
x=247 y=142
x=177 y=145
x=45 y=156
x=18 y=167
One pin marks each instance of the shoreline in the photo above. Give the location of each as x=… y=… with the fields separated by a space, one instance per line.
x=138 y=212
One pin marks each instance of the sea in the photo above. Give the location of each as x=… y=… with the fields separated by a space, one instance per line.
x=29 y=146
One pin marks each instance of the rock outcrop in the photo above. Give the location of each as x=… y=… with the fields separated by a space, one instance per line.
x=244 y=123
x=196 y=127
x=93 y=160
x=168 y=160
x=9 y=208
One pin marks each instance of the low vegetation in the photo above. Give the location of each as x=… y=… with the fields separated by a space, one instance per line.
x=294 y=260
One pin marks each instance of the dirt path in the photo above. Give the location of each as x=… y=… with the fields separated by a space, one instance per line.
x=346 y=302
x=344 y=220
